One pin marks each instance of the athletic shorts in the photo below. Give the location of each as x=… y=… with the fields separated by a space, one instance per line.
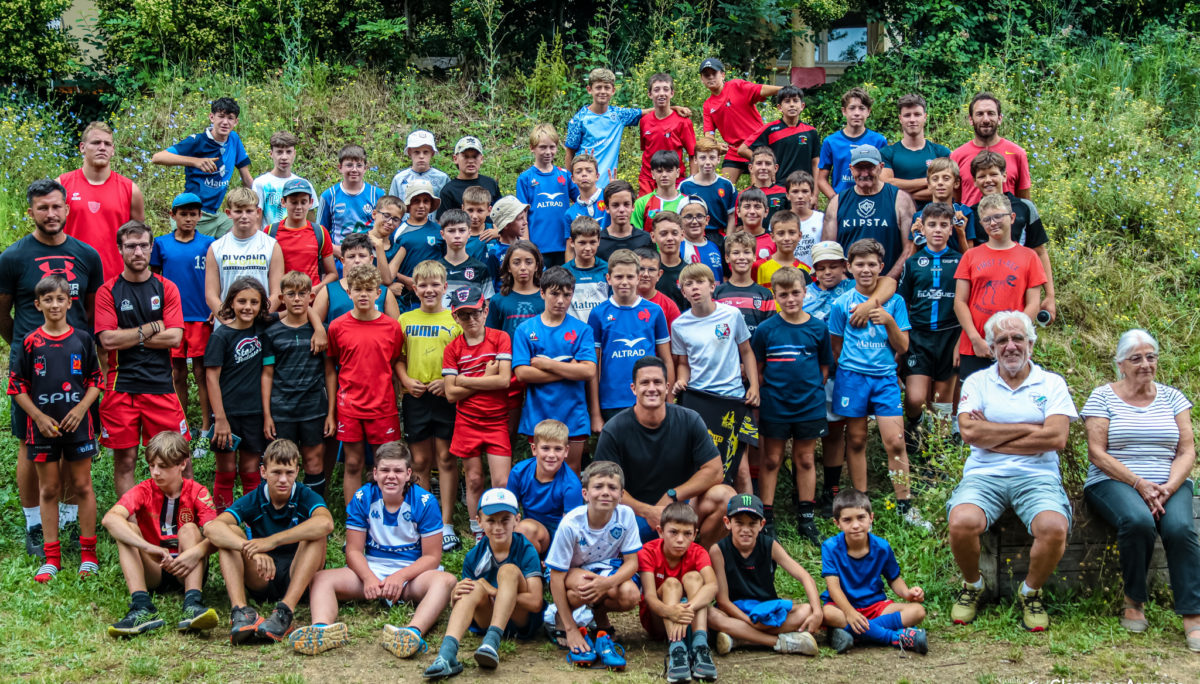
x=195 y=340
x=741 y=164
x=124 y=418
x=472 y=440
x=170 y=584
x=1026 y=496
x=830 y=416
x=871 y=611
x=931 y=353
x=857 y=396
x=305 y=433
x=51 y=451
x=383 y=567
x=969 y=364
x=532 y=629
x=798 y=430
x=371 y=430
x=610 y=413
x=277 y=586
x=427 y=416
x=551 y=259
x=250 y=430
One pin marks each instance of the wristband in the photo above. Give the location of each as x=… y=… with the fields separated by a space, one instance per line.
x=1135 y=483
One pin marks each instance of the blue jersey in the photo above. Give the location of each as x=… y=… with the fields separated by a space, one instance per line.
x=818 y=302
x=481 y=564
x=791 y=357
x=256 y=512
x=600 y=136
x=866 y=350
x=183 y=264
x=835 y=155
x=623 y=335
x=591 y=288
x=477 y=248
x=394 y=535
x=860 y=578
x=420 y=243
x=508 y=311
x=564 y=400
x=210 y=187
x=708 y=254
x=720 y=196
x=545 y=502
x=548 y=195
x=342 y=213
x=596 y=209
x=340 y=303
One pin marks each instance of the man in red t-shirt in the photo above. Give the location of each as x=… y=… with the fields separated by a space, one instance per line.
x=302 y=250
x=984 y=114
x=730 y=110
x=664 y=129
x=100 y=199
x=163 y=548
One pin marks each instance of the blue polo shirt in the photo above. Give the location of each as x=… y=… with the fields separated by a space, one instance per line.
x=256 y=512
x=211 y=187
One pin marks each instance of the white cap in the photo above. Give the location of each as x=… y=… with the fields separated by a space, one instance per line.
x=420 y=138
x=498 y=500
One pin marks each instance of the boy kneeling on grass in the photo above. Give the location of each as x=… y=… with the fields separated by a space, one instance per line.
x=856 y=607
x=678 y=586
x=163 y=548
x=501 y=586
x=393 y=553
x=289 y=524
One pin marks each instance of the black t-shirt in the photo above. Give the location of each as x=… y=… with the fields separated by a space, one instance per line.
x=668 y=284
x=298 y=386
x=756 y=302
x=610 y=244
x=27 y=261
x=56 y=372
x=753 y=577
x=1027 y=228
x=658 y=459
x=454 y=188
x=927 y=286
x=239 y=355
x=795 y=147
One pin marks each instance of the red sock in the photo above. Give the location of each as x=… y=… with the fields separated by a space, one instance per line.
x=223 y=489
x=87 y=550
x=250 y=481
x=53 y=558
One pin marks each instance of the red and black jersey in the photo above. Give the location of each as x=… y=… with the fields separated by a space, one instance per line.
x=120 y=305
x=795 y=147
x=56 y=372
x=159 y=518
x=777 y=201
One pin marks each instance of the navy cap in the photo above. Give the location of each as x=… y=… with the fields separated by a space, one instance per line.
x=712 y=63
x=469 y=297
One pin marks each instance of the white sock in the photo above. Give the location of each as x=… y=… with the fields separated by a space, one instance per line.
x=943 y=410
x=33 y=516
x=977 y=584
x=1026 y=591
x=476 y=527
x=67 y=513
x=448 y=528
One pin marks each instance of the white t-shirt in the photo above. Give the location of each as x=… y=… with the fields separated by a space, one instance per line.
x=1041 y=395
x=248 y=257
x=435 y=176
x=810 y=234
x=1144 y=438
x=578 y=545
x=269 y=189
x=711 y=347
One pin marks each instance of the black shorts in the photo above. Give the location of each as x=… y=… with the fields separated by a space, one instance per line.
x=550 y=259
x=427 y=416
x=276 y=587
x=968 y=365
x=170 y=584
x=798 y=430
x=52 y=451
x=931 y=353
x=740 y=164
x=305 y=433
x=609 y=414
x=250 y=430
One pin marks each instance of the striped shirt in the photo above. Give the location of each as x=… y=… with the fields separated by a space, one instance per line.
x=1144 y=438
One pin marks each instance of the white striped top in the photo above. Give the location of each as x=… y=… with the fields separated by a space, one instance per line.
x=1143 y=438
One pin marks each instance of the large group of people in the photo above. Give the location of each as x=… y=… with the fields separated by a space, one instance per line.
x=696 y=329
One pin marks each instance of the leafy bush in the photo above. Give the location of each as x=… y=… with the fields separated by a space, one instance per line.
x=34 y=46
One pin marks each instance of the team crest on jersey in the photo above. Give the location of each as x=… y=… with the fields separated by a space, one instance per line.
x=431 y=240
x=185 y=516
x=922 y=261
x=407 y=516
x=93 y=207
x=469 y=274
x=570 y=336
x=39 y=366
x=611 y=318
x=644 y=315
x=720 y=192
x=155 y=303
x=183 y=427
x=722 y=331
x=757 y=302
x=126 y=305
x=866 y=208
x=76 y=364
x=617 y=532
x=601 y=206
x=533 y=337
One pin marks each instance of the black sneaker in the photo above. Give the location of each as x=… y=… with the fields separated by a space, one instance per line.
x=703 y=666
x=197 y=618
x=69 y=534
x=137 y=621
x=34 y=542
x=278 y=626
x=678 y=665
x=808 y=530
x=245 y=621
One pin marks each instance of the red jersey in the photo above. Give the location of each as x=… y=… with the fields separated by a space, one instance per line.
x=668 y=305
x=673 y=134
x=366 y=352
x=96 y=212
x=732 y=113
x=460 y=358
x=1016 y=168
x=651 y=559
x=777 y=201
x=159 y=518
x=299 y=246
x=999 y=279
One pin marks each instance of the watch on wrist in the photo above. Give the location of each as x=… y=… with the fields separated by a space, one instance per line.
x=674 y=497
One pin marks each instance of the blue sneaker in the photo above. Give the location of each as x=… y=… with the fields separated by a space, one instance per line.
x=441 y=669
x=587 y=658
x=609 y=653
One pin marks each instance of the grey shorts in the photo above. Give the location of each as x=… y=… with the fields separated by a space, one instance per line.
x=1027 y=496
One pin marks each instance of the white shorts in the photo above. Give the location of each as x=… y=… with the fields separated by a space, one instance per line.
x=383 y=567
x=830 y=416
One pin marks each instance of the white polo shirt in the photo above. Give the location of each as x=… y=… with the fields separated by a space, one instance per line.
x=1040 y=396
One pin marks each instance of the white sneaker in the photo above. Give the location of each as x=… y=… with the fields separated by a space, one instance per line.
x=796 y=642
x=913 y=517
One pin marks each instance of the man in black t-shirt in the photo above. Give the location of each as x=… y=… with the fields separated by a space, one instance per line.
x=139 y=319
x=670 y=453
x=46 y=251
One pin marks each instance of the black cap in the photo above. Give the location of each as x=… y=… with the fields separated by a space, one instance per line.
x=712 y=63
x=744 y=503
x=469 y=297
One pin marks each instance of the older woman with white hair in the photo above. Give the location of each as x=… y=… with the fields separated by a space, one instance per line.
x=1141 y=447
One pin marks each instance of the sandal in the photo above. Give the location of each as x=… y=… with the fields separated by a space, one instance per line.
x=1193 y=642
x=1131 y=624
x=556 y=636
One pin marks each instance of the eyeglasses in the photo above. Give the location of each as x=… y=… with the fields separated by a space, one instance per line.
x=389 y=218
x=1138 y=358
x=994 y=218
x=694 y=218
x=136 y=246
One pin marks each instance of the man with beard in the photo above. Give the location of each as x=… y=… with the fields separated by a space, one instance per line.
x=984 y=116
x=139 y=318
x=101 y=200
x=46 y=251
x=1015 y=416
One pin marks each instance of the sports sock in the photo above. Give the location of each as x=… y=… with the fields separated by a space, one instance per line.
x=141 y=599
x=193 y=597
x=806 y=511
x=223 y=489
x=493 y=636
x=977 y=584
x=769 y=513
x=87 y=550
x=833 y=476
x=250 y=481
x=1025 y=589
x=677 y=645
x=414 y=630
x=877 y=633
x=67 y=513
x=449 y=649
x=448 y=529
x=316 y=482
x=699 y=638
x=476 y=527
x=33 y=516
x=53 y=552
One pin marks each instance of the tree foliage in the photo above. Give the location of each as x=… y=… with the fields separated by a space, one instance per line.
x=34 y=46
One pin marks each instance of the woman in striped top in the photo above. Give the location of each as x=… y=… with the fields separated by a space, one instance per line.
x=1141 y=447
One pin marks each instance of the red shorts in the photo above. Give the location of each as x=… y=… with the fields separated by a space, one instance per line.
x=124 y=418
x=872 y=611
x=371 y=430
x=577 y=439
x=195 y=340
x=475 y=440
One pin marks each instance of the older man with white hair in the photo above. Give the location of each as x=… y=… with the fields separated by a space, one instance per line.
x=1015 y=416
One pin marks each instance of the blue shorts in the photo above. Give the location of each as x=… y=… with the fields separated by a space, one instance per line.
x=857 y=396
x=1027 y=496
x=647 y=533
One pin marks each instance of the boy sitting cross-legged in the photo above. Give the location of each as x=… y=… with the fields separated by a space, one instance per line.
x=289 y=525
x=545 y=489
x=678 y=586
x=501 y=585
x=393 y=552
x=856 y=606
